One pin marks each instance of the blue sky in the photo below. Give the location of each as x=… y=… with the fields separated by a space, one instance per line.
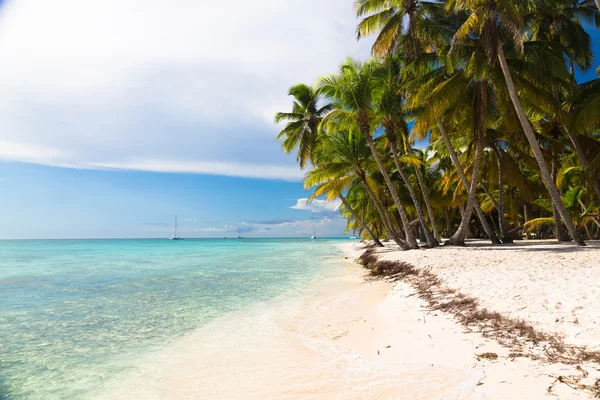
x=117 y=115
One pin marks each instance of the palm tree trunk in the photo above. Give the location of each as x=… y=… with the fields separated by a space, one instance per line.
x=526 y=218
x=431 y=241
x=383 y=215
x=597 y=4
x=559 y=232
x=360 y=221
x=426 y=199
x=460 y=235
x=583 y=208
x=461 y=173
x=535 y=147
x=505 y=231
x=410 y=237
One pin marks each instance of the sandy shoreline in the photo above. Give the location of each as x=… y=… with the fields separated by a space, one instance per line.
x=547 y=284
x=345 y=337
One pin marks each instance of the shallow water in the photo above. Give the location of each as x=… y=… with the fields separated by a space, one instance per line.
x=77 y=313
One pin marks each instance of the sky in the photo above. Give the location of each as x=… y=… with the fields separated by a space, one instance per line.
x=115 y=115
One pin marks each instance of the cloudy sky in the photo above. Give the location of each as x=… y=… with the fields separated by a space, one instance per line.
x=117 y=114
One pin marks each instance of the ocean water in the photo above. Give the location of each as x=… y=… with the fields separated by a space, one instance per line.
x=75 y=314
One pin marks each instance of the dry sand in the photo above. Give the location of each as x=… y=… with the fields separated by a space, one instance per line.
x=554 y=286
x=349 y=338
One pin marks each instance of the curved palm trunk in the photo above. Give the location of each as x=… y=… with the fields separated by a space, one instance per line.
x=410 y=237
x=505 y=232
x=427 y=201
x=583 y=208
x=431 y=240
x=597 y=4
x=559 y=232
x=360 y=221
x=496 y=206
x=526 y=218
x=537 y=151
x=461 y=173
x=383 y=215
x=461 y=234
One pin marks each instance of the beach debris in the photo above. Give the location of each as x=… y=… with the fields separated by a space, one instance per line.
x=574 y=383
x=388 y=346
x=487 y=356
x=508 y=331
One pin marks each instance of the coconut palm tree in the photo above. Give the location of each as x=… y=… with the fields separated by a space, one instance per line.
x=302 y=129
x=396 y=23
x=352 y=91
x=345 y=156
x=331 y=181
x=490 y=20
x=389 y=109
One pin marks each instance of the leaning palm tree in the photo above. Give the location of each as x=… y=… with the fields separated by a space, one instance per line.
x=302 y=129
x=352 y=91
x=331 y=183
x=343 y=157
x=448 y=96
x=490 y=20
x=389 y=108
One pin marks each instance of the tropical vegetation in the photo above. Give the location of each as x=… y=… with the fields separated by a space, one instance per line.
x=466 y=122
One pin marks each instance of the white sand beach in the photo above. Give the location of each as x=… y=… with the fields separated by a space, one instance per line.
x=553 y=285
x=347 y=337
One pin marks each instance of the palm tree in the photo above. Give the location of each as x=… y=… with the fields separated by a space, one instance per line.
x=389 y=108
x=352 y=93
x=302 y=129
x=489 y=20
x=343 y=157
x=396 y=22
x=585 y=117
x=331 y=181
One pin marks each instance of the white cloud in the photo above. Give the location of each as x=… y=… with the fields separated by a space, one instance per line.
x=99 y=83
x=245 y=170
x=317 y=205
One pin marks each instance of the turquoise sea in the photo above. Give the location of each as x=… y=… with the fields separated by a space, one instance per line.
x=76 y=313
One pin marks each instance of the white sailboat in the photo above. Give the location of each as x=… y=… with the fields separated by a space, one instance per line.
x=314 y=236
x=240 y=233
x=175 y=237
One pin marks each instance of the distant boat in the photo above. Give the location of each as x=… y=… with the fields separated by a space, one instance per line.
x=175 y=237
x=314 y=236
x=353 y=235
x=240 y=233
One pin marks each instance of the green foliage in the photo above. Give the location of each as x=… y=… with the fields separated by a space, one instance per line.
x=431 y=61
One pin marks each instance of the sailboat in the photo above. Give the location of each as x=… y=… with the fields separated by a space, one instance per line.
x=175 y=237
x=314 y=236
x=240 y=233
x=353 y=235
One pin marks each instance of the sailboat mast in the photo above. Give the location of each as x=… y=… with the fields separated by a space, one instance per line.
x=175 y=224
